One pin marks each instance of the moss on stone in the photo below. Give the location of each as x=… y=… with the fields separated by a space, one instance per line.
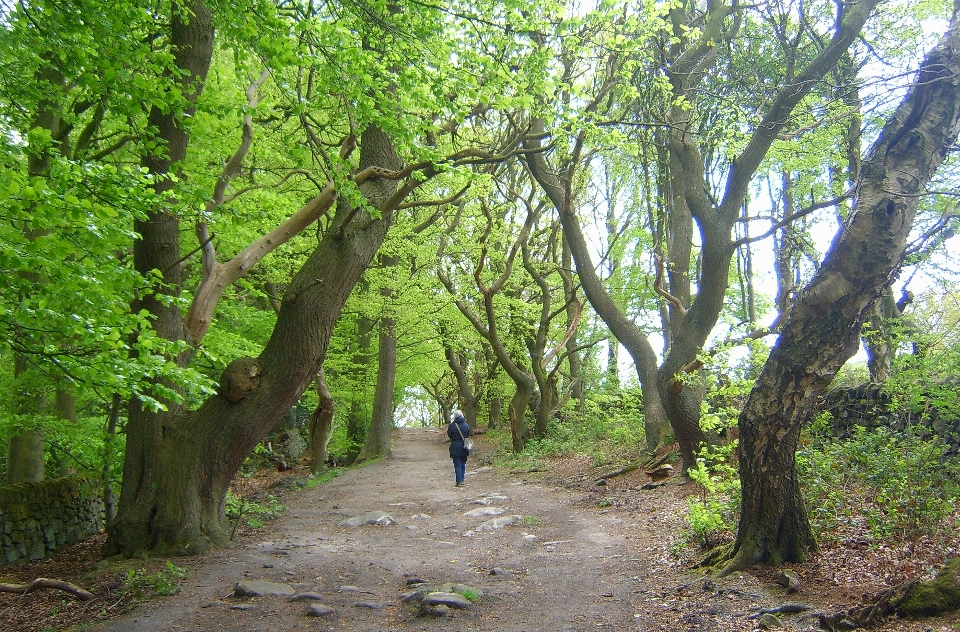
x=939 y=595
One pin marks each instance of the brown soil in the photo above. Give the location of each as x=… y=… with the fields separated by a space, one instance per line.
x=585 y=557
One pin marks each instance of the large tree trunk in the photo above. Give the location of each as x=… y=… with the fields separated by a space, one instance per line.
x=822 y=330
x=156 y=440
x=25 y=461
x=519 y=428
x=377 y=442
x=173 y=501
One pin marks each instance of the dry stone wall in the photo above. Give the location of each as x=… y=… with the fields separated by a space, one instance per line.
x=39 y=518
x=868 y=406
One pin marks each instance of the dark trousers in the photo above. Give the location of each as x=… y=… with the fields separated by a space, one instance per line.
x=460 y=468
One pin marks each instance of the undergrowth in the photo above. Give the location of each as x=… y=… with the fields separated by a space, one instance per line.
x=254 y=513
x=142 y=584
x=881 y=484
x=605 y=427
x=877 y=487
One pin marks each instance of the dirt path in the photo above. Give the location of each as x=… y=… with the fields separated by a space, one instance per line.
x=582 y=557
x=560 y=568
x=570 y=564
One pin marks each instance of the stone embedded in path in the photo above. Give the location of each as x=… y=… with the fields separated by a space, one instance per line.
x=259 y=588
x=306 y=596
x=437 y=611
x=319 y=610
x=372 y=605
x=448 y=599
x=486 y=500
x=484 y=511
x=381 y=518
x=499 y=523
x=427 y=595
x=769 y=622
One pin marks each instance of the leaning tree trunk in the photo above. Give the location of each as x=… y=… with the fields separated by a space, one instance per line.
x=656 y=426
x=174 y=503
x=822 y=329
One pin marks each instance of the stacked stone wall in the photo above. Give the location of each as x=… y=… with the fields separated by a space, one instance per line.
x=39 y=518
x=868 y=406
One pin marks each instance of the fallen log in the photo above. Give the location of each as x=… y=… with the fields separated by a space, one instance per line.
x=650 y=462
x=43 y=582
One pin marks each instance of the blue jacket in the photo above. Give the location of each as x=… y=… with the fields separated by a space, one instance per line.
x=456 y=441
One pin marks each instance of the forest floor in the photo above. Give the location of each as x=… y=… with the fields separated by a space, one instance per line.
x=579 y=557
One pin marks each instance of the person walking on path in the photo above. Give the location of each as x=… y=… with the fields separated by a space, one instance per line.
x=458 y=431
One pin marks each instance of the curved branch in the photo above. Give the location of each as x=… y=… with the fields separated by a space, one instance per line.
x=658 y=288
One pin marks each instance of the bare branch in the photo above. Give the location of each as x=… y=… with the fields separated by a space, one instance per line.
x=658 y=288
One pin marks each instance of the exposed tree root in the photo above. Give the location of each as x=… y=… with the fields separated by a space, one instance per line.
x=871 y=612
x=43 y=582
x=717 y=556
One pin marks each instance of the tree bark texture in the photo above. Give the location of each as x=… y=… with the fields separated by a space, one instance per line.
x=468 y=399
x=822 y=329
x=174 y=502
x=377 y=442
x=25 y=456
x=321 y=424
x=495 y=413
x=156 y=446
